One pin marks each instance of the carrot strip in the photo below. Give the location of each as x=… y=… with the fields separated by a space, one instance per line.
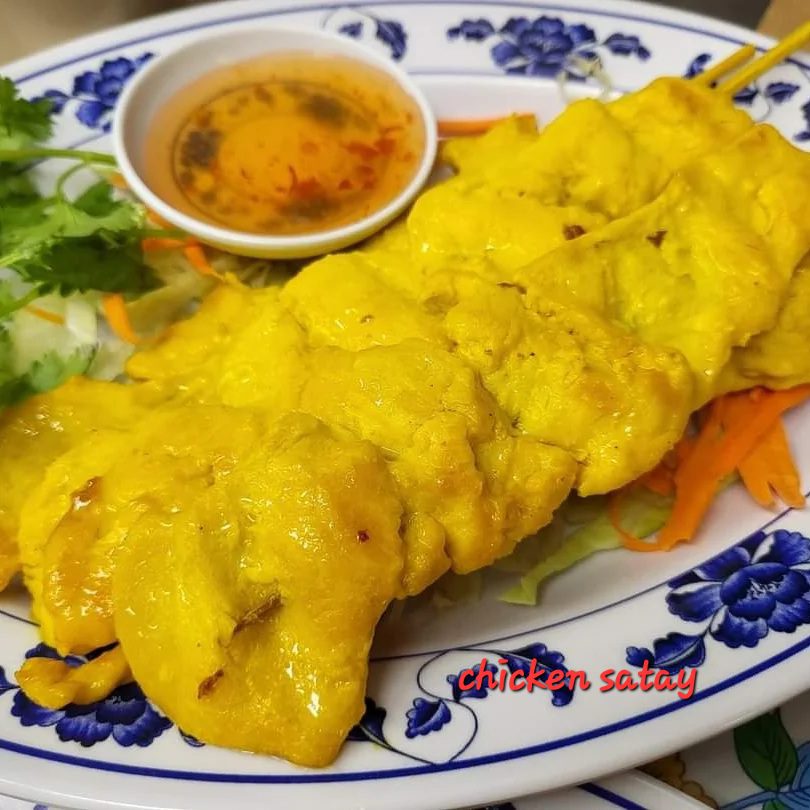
x=52 y=317
x=116 y=179
x=695 y=485
x=769 y=469
x=681 y=451
x=115 y=311
x=454 y=128
x=196 y=257
x=158 y=219
x=629 y=540
x=736 y=424
x=769 y=406
x=659 y=480
x=152 y=243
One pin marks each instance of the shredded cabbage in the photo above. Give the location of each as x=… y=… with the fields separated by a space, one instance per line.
x=583 y=68
x=569 y=538
x=37 y=355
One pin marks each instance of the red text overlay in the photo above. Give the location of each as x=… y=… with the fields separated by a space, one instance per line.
x=537 y=676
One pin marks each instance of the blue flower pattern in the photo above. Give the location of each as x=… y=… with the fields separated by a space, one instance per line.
x=520 y=660
x=773 y=92
x=390 y=33
x=370 y=727
x=5 y=683
x=697 y=65
x=804 y=135
x=760 y=585
x=125 y=716
x=624 y=45
x=95 y=92
x=430 y=713
x=426 y=716
x=545 y=46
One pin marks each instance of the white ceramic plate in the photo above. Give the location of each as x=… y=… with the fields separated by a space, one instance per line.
x=425 y=742
x=628 y=791
x=736 y=771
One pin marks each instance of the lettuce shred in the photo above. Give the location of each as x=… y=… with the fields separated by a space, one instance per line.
x=581 y=528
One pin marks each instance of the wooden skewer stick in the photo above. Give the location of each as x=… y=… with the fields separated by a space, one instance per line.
x=727 y=65
x=791 y=43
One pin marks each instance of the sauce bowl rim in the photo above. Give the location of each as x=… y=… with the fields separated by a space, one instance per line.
x=260 y=244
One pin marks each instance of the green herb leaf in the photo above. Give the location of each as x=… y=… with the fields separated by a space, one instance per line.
x=22 y=122
x=90 y=243
x=16 y=188
x=98 y=200
x=766 y=752
x=58 y=244
x=9 y=302
x=48 y=371
x=581 y=528
x=91 y=263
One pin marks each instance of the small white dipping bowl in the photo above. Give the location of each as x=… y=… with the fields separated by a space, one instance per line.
x=163 y=78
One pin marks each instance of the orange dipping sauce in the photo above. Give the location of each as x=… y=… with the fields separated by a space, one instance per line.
x=285 y=144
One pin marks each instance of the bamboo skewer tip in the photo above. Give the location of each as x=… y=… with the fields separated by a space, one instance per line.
x=783 y=49
x=727 y=65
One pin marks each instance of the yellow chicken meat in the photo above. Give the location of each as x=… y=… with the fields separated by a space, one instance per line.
x=266 y=579
x=593 y=164
x=703 y=267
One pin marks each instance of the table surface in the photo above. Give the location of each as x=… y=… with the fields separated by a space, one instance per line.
x=37 y=24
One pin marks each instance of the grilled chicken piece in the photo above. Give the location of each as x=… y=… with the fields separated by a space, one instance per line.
x=444 y=437
x=242 y=349
x=778 y=358
x=572 y=378
x=260 y=551
x=563 y=375
x=80 y=514
x=703 y=267
x=35 y=433
x=265 y=577
x=519 y=194
x=449 y=448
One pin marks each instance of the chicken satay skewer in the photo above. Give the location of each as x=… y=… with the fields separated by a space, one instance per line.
x=790 y=44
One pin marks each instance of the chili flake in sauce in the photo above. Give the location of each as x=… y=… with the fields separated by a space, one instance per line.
x=286 y=144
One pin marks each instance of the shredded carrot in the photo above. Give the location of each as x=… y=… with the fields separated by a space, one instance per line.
x=769 y=469
x=755 y=422
x=152 y=243
x=115 y=311
x=52 y=317
x=454 y=128
x=736 y=424
x=196 y=256
x=116 y=179
x=660 y=479
x=158 y=219
x=628 y=539
x=682 y=450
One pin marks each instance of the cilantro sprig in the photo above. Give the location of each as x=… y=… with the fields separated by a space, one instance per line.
x=57 y=243
x=25 y=125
